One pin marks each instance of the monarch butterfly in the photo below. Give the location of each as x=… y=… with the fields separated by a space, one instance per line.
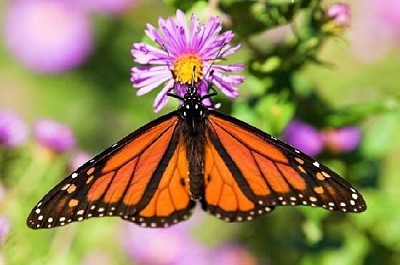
x=154 y=176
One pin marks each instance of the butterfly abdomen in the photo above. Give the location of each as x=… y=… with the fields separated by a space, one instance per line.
x=194 y=142
x=192 y=128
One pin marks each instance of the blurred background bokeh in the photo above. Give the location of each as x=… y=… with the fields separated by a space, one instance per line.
x=322 y=76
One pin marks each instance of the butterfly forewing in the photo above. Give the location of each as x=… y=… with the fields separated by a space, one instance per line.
x=137 y=179
x=245 y=166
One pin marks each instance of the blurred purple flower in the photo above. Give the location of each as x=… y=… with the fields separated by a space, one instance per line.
x=159 y=246
x=54 y=135
x=188 y=52
x=341 y=140
x=194 y=254
x=109 y=6
x=5 y=226
x=304 y=137
x=232 y=254
x=13 y=130
x=48 y=36
x=375 y=28
x=339 y=14
x=78 y=158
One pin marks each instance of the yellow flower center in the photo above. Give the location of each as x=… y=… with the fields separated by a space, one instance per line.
x=188 y=68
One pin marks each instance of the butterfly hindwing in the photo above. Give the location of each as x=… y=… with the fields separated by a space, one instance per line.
x=245 y=166
x=137 y=179
x=227 y=194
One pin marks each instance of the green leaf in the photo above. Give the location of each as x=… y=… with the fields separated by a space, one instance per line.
x=250 y=17
x=275 y=112
x=382 y=136
x=182 y=4
x=245 y=113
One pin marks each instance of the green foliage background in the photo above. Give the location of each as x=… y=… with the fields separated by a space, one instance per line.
x=312 y=76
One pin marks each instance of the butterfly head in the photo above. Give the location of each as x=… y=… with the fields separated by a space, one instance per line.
x=192 y=110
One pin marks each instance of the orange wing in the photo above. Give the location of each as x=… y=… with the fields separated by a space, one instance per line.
x=248 y=172
x=138 y=179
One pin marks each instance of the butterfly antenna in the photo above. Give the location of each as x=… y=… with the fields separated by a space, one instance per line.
x=192 y=87
x=210 y=72
x=210 y=95
x=213 y=62
x=170 y=94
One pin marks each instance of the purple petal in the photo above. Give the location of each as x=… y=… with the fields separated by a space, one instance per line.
x=162 y=97
x=228 y=68
x=182 y=25
x=148 y=88
x=218 y=45
x=227 y=80
x=180 y=89
x=154 y=35
x=180 y=33
x=224 y=83
x=230 y=51
x=146 y=54
x=172 y=35
x=210 y=104
x=194 y=26
x=203 y=88
x=211 y=29
x=150 y=79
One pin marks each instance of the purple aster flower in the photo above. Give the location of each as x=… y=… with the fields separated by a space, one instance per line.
x=233 y=254
x=189 y=52
x=195 y=254
x=5 y=226
x=78 y=158
x=376 y=28
x=48 y=36
x=304 y=137
x=13 y=130
x=341 y=140
x=54 y=135
x=159 y=246
x=339 y=14
x=109 y=6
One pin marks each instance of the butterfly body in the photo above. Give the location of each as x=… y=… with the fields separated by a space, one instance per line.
x=192 y=127
x=155 y=176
